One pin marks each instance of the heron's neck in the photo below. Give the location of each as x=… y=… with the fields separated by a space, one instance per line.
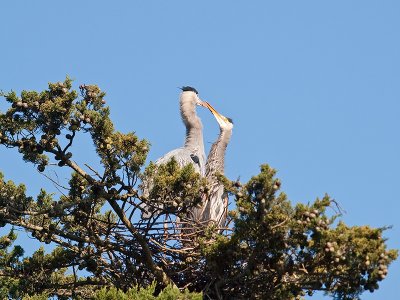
x=194 y=128
x=216 y=157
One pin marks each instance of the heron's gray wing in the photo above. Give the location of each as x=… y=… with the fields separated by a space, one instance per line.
x=182 y=156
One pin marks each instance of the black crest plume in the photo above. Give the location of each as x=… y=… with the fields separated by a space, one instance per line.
x=189 y=89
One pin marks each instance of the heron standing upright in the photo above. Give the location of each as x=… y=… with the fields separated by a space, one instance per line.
x=192 y=151
x=215 y=203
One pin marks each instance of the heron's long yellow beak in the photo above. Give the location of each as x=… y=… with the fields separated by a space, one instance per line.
x=212 y=109
x=222 y=120
x=203 y=103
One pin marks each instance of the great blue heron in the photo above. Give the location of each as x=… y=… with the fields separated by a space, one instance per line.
x=192 y=151
x=215 y=204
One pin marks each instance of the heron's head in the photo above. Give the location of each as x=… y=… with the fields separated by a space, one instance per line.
x=191 y=95
x=224 y=122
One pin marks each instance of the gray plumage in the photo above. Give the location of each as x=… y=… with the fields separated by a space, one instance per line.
x=215 y=203
x=194 y=144
x=192 y=151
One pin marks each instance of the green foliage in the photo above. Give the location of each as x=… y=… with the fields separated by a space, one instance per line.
x=177 y=189
x=274 y=242
x=9 y=259
x=14 y=195
x=103 y=249
x=36 y=297
x=168 y=293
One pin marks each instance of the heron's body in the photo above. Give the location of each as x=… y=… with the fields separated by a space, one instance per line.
x=192 y=151
x=184 y=157
x=215 y=204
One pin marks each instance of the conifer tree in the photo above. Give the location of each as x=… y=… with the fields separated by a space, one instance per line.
x=104 y=249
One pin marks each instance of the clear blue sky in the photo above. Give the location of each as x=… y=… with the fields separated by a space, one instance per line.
x=313 y=87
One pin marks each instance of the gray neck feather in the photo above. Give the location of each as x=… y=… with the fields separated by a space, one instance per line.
x=194 y=128
x=216 y=157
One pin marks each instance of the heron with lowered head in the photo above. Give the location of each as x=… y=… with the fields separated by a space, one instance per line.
x=214 y=207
